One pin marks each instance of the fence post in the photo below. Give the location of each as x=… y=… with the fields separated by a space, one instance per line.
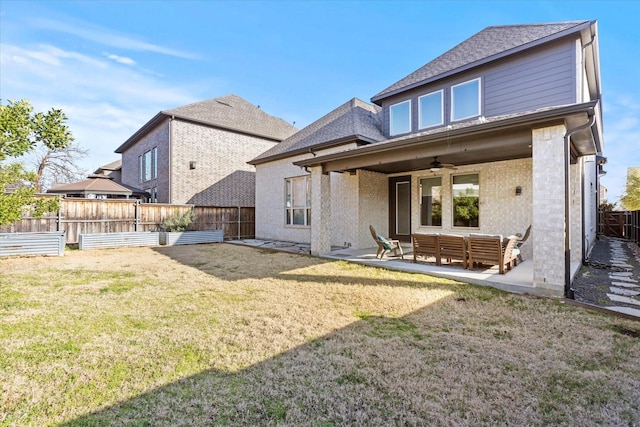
x=59 y=219
x=136 y=213
x=239 y=220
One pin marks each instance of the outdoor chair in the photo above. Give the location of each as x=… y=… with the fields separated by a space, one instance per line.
x=453 y=247
x=489 y=249
x=521 y=241
x=385 y=244
x=426 y=245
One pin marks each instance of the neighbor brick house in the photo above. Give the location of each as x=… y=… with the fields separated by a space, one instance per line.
x=501 y=132
x=197 y=154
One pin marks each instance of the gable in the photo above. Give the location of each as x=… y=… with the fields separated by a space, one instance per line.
x=487 y=45
x=354 y=120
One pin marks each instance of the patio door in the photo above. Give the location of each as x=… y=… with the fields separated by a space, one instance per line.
x=400 y=208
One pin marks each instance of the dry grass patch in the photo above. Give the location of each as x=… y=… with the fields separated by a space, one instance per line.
x=223 y=334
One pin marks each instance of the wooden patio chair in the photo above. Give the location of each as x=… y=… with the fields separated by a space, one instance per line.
x=521 y=241
x=485 y=249
x=426 y=245
x=385 y=245
x=453 y=247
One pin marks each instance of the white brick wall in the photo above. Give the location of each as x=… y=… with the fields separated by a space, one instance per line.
x=548 y=209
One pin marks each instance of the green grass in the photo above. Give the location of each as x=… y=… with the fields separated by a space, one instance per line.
x=229 y=335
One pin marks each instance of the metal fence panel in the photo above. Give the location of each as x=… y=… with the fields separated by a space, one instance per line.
x=20 y=244
x=116 y=240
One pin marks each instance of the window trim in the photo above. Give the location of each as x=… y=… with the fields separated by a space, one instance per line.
x=391 y=133
x=453 y=101
x=420 y=125
x=453 y=197
x=289 y=211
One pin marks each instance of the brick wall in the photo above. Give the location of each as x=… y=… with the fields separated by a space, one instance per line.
x=157 y=137
x=221 y=176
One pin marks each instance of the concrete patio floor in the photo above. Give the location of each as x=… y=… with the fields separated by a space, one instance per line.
x=519 y=279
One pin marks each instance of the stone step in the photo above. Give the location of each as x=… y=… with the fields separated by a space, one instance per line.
x=624 y=285
x=626 y=300
x=621 y=291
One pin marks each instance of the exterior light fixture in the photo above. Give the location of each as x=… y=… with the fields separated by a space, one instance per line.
x=192 y=164
x=518 y=191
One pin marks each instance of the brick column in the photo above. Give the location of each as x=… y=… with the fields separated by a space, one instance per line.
x=320 y=212
x=548 y=229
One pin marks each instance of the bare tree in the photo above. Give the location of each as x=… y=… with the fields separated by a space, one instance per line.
x=60 y=165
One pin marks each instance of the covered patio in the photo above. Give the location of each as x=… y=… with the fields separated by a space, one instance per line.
x=527 y=169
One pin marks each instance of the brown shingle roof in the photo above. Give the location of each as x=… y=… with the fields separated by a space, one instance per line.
x=233 y=112
x=486 y=45
x=227 y=112
x=353 y=120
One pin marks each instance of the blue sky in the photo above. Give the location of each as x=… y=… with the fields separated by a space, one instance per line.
x=111 y=66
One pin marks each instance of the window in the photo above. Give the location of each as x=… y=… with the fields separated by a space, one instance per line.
x=148 y=165
x=466 y=206
x=430 y=110
x=465 y=100
x=154 y=163
x=400 y=118
x=431 y=201
x=140 y=169
x=298 y=201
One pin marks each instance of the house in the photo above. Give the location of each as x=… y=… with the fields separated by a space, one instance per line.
x=112 y=170
x=98 y=186
x=197 y=154
x=499 y=133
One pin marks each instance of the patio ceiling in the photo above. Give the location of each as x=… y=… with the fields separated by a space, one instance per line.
x=504 y=139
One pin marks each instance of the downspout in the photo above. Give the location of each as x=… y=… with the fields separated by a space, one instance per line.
x=568 y=291
x=170 y=150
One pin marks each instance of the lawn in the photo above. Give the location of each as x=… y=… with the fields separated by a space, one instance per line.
x=229 y=335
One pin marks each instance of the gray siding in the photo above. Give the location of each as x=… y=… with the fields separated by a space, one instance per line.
x=539 y=78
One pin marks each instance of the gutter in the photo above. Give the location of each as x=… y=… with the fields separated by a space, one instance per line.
x=568 y=291
x=520 y=120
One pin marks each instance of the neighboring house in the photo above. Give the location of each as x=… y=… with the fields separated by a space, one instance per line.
x=112 y=170
x=499 y=133
x=198 y=153
x=98 y=187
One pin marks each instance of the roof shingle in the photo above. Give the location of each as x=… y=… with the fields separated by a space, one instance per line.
x=233 y=112
x=487 y=43
x=354 y=119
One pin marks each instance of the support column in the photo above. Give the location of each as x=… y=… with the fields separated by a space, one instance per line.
x=320 y=212
x=548 y=231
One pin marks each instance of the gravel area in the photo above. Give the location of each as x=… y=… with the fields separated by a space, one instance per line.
x=593 y=284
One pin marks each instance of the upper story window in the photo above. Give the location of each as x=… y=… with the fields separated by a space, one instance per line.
x=465 y=100
x=400 y=118
x=430 y=110
x=148 y=165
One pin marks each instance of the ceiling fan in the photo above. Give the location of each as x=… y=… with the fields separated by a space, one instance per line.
x=436 y=165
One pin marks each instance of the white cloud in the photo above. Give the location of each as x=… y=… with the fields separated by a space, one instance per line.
x=107 y=37
x=121 y=59
x=104 y=102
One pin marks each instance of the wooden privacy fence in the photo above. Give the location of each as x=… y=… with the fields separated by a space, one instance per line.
x=622 y=224
x=90 y=216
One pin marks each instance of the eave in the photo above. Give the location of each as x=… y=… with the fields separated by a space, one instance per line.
x=577 y=29
x=505 y=139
